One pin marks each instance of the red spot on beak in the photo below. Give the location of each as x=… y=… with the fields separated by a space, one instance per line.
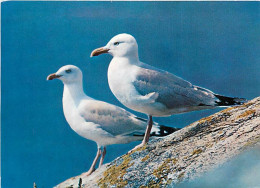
x=53 y=76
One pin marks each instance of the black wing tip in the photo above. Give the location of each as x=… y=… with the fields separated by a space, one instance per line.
x=165 y=130
x=229 y=101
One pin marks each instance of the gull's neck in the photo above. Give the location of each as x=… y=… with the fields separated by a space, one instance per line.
x=73 y=92
x=126 y=60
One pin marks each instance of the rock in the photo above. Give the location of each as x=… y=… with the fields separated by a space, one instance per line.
x=183 y=155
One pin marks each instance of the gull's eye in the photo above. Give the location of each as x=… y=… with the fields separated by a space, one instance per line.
x=116 y=43
x=68 y=71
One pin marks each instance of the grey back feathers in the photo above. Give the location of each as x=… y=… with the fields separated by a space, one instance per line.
x=175 y=92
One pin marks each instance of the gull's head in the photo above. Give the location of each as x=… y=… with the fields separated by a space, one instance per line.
x=67 y=74
x=122 y=45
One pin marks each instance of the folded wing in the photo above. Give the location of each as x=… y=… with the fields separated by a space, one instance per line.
x=174 y=92
x=110 y=118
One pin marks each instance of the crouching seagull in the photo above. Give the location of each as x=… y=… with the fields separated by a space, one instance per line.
x=152 y=91
x=99 y=121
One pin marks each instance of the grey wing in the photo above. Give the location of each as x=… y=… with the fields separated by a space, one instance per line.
x=111 y=118
x=174 y=92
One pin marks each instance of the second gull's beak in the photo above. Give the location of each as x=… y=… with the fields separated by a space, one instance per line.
x=99 y=51
x=53 y=76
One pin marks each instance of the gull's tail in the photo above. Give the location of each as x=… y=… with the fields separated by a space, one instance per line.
x=229 y=101
x=162 y=130
x=158 y=130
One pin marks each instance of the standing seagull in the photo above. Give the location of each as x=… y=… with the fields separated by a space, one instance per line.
x=99 y=121
x=152 y=91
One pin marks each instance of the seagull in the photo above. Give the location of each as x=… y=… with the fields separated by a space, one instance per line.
x=152 y=91
x=99 y=121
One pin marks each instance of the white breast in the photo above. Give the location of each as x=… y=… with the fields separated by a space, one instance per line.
x=121 y=75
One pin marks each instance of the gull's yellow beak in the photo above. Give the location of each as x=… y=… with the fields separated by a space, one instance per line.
x=99 y=51
x=53 y=76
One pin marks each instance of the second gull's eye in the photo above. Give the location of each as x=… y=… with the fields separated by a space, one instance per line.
x=68 y=71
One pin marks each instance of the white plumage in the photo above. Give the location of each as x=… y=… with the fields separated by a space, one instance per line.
x=95 y=120
x=152 y=91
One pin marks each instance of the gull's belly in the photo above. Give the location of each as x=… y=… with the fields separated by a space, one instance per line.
x=88 y=129
x=133 y=100
x=121 y=85
x=91 y=130
x=78 y=124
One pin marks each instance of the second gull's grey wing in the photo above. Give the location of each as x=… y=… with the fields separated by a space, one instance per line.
x=111 y=118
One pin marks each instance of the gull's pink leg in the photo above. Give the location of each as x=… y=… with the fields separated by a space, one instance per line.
x=148 y=130
x=147 y=133
x=102 y=156
x=92 y=168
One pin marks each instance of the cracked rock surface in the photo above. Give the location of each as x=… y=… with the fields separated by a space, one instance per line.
x=183 y=155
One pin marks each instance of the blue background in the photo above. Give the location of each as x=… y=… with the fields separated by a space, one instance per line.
x=212 y=44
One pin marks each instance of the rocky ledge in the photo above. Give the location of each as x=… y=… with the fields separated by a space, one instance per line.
x=183 y=155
